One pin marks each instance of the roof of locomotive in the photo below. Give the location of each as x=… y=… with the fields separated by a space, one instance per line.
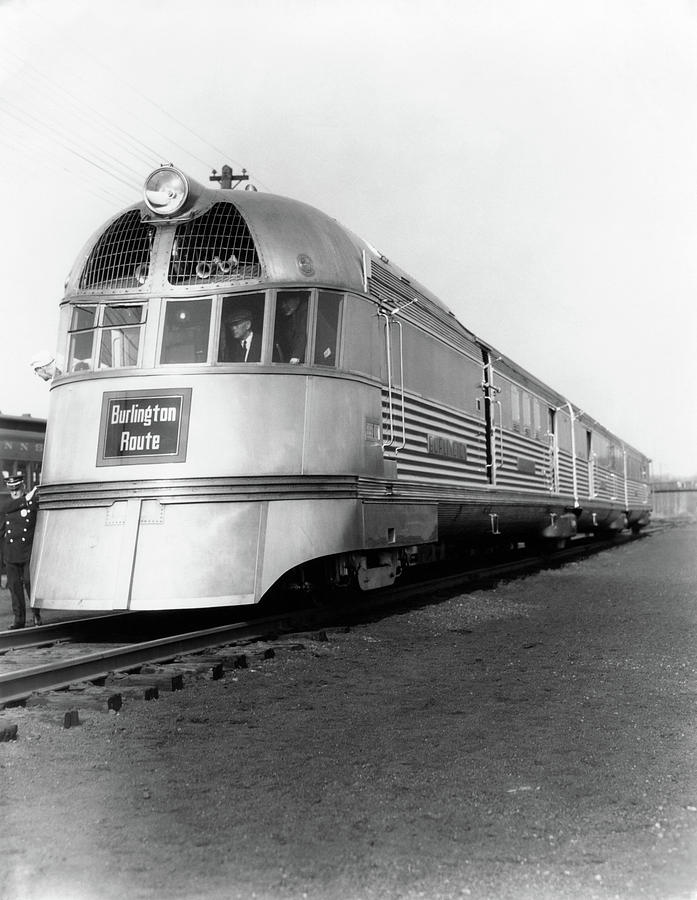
x=294 y=241
x=298 y=242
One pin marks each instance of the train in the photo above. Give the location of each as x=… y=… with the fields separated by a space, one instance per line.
x=246 y=395
x=21 y=450
x=22 y=446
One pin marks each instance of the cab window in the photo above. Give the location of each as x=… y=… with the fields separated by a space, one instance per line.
x=185 y=336
x=120 y=336
x=241 y=328
x=112 y=331
x=327 y=328
x=82 y=327
x=290 y=327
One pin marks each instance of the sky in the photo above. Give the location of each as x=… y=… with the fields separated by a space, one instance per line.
x=532 y=162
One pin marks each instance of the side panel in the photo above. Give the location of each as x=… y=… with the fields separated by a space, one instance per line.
x=301 y=530
x=143 y=554
x=298 y=531
x=399 y=524
x=95 y=579
x=140 y=554
x=337 y=434
x=198 y=553
x=239 y=425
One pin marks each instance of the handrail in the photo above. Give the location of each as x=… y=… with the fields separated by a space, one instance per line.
x=626 y=486
x=389 y=317
x=388 y=348
x=592 y=463
x=490 y=392
x=553 y=447
x=401 y=384
x=500 y=406
x=574 y=475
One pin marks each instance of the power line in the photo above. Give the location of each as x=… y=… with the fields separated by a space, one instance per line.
x=13 y=111
x=138 y=92
x=133 y=144
x=80 y=106
x=71 y=149
x=96 y=188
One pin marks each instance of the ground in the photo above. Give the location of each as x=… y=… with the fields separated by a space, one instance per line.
x=536 y=740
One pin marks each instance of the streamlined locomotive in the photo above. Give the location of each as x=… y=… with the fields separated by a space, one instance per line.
x=244 y=391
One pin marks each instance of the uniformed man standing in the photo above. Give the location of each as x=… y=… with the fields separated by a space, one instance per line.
x=16 y=535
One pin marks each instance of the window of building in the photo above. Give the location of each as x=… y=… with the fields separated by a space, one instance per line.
x=327 y=329
x=186 y=331
x=290 y=327
x=241 y=328
x=113 y=330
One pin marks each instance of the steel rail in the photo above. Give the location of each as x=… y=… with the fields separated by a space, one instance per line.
x=17 y=686
x=67 y=630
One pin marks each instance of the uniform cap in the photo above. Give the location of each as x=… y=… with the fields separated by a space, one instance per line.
x=14 y=481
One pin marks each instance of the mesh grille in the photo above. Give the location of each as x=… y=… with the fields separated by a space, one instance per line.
x=121 y=256
x=213 y=248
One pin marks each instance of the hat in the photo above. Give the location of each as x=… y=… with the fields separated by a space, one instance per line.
x=14 y=481
x=41 y=360
x=239 y=315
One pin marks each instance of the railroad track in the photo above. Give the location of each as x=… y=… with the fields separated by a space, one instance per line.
x=70 y=663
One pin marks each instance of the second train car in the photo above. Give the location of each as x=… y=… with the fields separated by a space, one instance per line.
x=244 y=390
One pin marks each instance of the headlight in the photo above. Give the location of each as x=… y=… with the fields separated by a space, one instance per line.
x=165 y=191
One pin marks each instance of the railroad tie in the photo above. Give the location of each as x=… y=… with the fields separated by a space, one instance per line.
x=228 y=661
x=198 y=668
x=163 y=682
x=8 y=731
x=99 y=701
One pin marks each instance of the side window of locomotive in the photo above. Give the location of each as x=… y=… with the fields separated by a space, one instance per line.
x=537 y=419
x=82 y=330
x=241 y=328
x=327 y=328
x=120 y=336
x=515 y=407
x=527 y=412
x=185 y=336
x=290 y=327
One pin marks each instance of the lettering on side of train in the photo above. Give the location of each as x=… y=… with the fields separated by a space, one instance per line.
x=447 y=448
x=144 y=427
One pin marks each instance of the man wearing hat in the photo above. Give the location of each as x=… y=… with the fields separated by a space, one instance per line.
x=17 y=525
x=242 y=343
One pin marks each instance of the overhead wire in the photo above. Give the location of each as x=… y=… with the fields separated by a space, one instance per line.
x=132 y=143
x=66 y=145
x=96 y=188
x=138 y=92
x=102 y=160
x=74 y=140
x=53 y=126
x=84 y=50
